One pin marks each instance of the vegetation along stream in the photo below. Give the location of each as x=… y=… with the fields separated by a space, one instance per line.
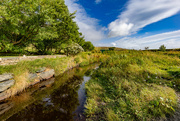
x=60 y=98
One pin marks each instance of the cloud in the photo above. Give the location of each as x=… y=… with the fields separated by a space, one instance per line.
x=98 y=1
x=88 y=26
x=140 y=13
x=169 y=39
x=114 y=44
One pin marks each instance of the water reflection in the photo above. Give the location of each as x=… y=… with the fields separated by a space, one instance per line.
x=62 y=100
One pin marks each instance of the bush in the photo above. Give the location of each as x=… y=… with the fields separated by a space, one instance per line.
x=162 y=48
x=88 y=46
x=73 y=49
x=112 y=48
x=96 y=50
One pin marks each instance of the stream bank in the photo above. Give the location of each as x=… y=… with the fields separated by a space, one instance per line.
x=27 y=73
x=59 y=98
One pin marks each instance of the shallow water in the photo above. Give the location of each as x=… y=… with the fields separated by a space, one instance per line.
x=58 y=99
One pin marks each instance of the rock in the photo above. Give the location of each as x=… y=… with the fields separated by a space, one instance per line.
x=5 y=107
x=41 y=70
x=47 y=74
x=3 y=95
x=5 y=77
x=33 y=76
x=46 y=83
x=5 y=85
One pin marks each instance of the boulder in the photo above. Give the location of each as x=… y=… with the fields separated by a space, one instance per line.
x=33 y=76
x=47 y=74
x=3 y=95
x=41 y=70
x=5 y=107
x=47 y=82
x=5 y=85
x=5 y=77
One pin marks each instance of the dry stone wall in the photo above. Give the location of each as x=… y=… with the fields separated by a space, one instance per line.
x=6 y=80
x=15 y=60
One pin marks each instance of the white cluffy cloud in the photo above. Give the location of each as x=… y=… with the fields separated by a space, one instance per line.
x=169 y=39
x=140 y=13
x=88 y=26
x=113 y=44
x=98 y=1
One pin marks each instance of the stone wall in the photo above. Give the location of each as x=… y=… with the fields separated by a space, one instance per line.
x=15 y=60
x=7 y=81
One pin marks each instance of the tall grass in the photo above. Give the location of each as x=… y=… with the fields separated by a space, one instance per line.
x=133 y=85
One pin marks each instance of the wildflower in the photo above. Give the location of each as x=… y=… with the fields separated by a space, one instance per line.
x=162 y=98
x=167 y=106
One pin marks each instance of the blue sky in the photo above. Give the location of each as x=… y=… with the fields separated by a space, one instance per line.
x=132 y=24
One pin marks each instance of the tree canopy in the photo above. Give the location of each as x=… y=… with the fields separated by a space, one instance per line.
x=88 y=46
x=45 y=24
x=162 y=48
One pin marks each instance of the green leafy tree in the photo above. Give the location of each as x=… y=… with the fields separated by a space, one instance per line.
x=88 y=46
x=20 y=21
x=162 y=48
x=146 y=48
x=68 y=31
x=45 y=24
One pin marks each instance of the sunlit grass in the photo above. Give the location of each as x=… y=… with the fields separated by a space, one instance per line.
x=134 y=85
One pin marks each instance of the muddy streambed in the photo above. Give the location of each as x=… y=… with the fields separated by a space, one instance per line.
x=58 y=99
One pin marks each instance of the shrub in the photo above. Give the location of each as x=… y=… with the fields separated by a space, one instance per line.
x=73 y=49
x=162 y=48
x=88 y=46
x=112 y=48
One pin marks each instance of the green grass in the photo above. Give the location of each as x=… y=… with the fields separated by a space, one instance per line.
x=133 y=85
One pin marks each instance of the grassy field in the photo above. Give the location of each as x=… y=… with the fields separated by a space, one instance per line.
x=22 y=69
x=134 y=85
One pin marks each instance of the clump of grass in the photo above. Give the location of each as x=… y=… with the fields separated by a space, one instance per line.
x=77 y=59
x=111 y=116
x=84 y=63
x=134 y=85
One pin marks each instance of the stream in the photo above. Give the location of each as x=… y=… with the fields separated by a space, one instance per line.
x=58 y=99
